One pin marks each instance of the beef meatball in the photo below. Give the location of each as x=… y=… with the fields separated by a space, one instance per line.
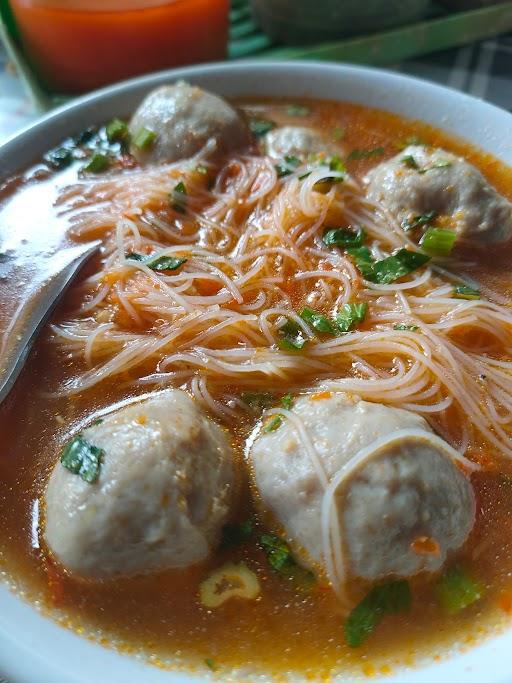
x=402 y=504
x=184 y=118
x=422 y=179
x=296 y=141
x=162 y=495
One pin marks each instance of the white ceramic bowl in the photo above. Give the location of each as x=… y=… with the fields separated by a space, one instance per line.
x=33 y=649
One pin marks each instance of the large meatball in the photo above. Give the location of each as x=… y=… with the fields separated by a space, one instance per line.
x=422 y=179
x=184 y=119
x=402 y=504
x=297 y=141
x=162 y=495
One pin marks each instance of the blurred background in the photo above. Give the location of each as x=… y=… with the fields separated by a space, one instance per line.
x=52 y=50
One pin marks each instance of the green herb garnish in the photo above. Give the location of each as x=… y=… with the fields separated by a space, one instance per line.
x=414 y=141
x=287 y=167
x=350 y=316
x=60 y=158
x=402 y=327
x=292 y=337
x=357 y=154
x=258 y=400
x=465 y=292
x=178 y=198
x=438 y=241
x=82 y=458
x=390 y=598
x=287 y=401
x=211 y=664
x=97 y=163
x=318 y=321
x=273 y=424
x=338 y=134
x=158 y=263
x=202 y=170
x=442 y=163
x=85 y=136
x=344 y=237
x=260 y=127
x=117 y=131
x=298 y=110
x=456 y=590
x=281 y=560
x=410 y=162
x=236 y=534
x=144 y=139
x=389 y=269
x=418 y=221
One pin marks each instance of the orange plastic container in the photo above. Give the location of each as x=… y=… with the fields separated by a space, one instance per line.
x=79 y=45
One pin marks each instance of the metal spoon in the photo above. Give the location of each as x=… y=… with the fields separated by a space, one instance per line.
x=33 y=312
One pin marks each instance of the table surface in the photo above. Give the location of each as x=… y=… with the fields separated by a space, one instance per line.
x=482 y=69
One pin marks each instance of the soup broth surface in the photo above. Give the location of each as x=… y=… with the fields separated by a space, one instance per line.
x=160 y=615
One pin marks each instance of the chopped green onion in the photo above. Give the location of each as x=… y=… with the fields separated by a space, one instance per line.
x=418 y=221
x=287 y=401
x=389 y=269
x=277 y=550
x=457 y=590
x=414 y=141
x=438 y=241
x=258 y=400
x=117 y=131
x=144 y=139
x=390 y=598
x=85 y=136
x=211 y=664
x=305 y=175
x=273 y=424
x=344 y=237
x=401 y=327
x=260 y=127
x=236 y=534
x=442 y=163
x=410 y=162
x=281 y=560
x=335 y=164
x=350 y=316
x=97 y=163
x=289 y=165
x=292 y=337
x=82 y=458
x=465 y=292
x=203 y=170
x=357 y=154
x=59 y=158
x=97 y=422
x=178 y=198
x=158 y=263
x=318 y=321
x=298 y=110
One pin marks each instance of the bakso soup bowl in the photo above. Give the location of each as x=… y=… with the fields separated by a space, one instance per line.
x=35 y=648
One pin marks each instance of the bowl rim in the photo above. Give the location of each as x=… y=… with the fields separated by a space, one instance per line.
x=27 y=639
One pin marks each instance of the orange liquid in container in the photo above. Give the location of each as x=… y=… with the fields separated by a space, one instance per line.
x=78 y=46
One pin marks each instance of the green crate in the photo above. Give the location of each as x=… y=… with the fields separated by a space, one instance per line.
x=440 y=30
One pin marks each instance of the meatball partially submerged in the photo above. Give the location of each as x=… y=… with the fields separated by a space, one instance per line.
x=184 y=119
x=298 y=142
x=162 y=495
x=401 y=502
x=421 y=180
